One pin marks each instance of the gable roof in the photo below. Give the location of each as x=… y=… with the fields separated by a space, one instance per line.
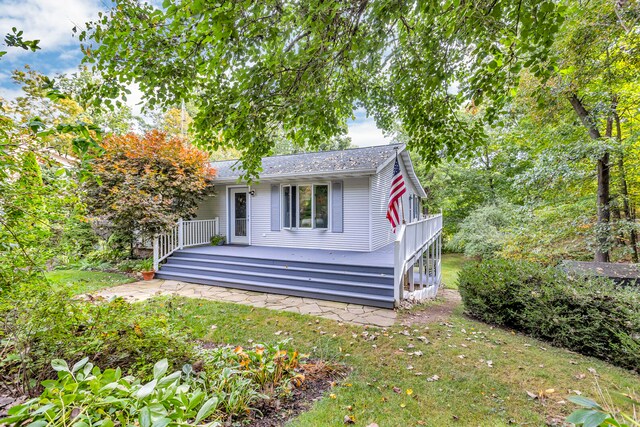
x=353 y=161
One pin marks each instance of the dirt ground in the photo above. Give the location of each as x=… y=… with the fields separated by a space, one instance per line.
x=433 y=311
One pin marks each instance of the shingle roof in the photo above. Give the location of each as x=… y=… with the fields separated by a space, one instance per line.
x=366 y=159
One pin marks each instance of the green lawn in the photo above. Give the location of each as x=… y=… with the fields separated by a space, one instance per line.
x=483 y=373
x=466 y=372
x=86 y=281
x=451 y=264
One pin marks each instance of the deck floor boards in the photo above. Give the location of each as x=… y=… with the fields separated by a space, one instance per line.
x=382 y=257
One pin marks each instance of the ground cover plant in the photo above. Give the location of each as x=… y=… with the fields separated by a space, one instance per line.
x=588 y=315
x=86 y=281
x=228 y=387
x=45 y=323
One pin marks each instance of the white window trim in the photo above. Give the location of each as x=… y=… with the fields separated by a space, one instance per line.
x=311 y=184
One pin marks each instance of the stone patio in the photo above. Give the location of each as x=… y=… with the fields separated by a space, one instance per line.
x=341 y=312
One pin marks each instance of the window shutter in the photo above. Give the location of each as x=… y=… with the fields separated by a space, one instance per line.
x=275 y=208
x=337 y=207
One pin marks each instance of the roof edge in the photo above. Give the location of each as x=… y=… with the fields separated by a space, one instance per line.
x=367 y=171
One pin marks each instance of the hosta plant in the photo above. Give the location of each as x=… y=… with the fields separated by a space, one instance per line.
x=83 y=395
x=591 y=414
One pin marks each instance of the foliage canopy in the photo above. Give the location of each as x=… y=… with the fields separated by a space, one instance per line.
x=260 y=71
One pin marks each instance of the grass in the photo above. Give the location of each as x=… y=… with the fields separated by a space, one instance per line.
x=451 y=264
x=86 y=281
x=483 y=373
x=469 y=373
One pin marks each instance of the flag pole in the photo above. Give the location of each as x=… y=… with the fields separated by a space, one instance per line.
x=401 y=201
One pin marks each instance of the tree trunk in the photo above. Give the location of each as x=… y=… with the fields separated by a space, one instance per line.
x=624 y=193
x=603 y=176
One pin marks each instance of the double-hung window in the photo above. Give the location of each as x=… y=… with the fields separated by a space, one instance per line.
x=305 y=206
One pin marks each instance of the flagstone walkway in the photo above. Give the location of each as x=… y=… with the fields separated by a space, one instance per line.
x=341 y=312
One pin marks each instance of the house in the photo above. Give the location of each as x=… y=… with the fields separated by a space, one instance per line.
x=314 y=225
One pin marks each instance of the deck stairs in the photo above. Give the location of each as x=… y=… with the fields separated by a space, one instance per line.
x=356 y=284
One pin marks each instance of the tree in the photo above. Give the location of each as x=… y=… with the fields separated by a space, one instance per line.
x=258 y=71
x=144 y=184
x=597 y=50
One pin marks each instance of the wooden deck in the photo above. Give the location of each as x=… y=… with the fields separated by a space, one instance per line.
x=345 y=276
x=383 y=257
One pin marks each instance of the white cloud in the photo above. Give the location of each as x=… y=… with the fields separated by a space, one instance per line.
x=365 y=133
x=49 y=21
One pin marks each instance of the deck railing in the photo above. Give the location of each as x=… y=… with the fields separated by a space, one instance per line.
x=415 y=242
x=182 y=235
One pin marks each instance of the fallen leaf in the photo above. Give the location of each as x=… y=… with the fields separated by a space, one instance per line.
x=532 y=395
x=433 y=378
x=397 y=390
x=348 y=419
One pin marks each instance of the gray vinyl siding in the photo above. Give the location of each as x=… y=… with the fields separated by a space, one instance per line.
x=355 y=235
x=381 y=234
x=363 y=230
x=215 y=207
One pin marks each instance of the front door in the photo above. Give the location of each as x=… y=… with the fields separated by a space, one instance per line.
x=239 y=215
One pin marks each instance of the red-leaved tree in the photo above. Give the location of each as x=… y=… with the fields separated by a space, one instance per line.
x=144 y=184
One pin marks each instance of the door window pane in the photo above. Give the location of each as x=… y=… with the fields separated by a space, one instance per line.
x=240 y=210
x=304 y=194
x=321 y=201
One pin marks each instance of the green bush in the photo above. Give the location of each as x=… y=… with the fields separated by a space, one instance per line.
x=591 y=316
x=45 y=324
x=84 y=395
x=484 y=232
x=233 y=383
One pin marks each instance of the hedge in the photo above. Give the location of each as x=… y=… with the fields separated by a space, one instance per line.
x=591 y=316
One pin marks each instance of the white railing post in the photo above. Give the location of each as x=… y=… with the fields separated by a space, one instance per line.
x=397 y=275
x=156 y=263
x=180 y=234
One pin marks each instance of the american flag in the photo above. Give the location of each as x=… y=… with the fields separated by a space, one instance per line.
x=395 y=195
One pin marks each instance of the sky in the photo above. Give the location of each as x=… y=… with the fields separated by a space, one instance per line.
x=52 y=21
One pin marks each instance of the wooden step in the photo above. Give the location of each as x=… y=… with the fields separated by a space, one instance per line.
x=275 y=288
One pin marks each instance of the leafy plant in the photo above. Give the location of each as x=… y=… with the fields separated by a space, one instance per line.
x=217 y=239
x=85 y=395
x=146 y=264
x=270 y=367
x=233 y=382
x=46 y=324
x=484 y=232
x=591 y=414
x=588 y=315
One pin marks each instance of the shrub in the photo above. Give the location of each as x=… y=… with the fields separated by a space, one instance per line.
x=233 y=382
x=591 y=316
x=44 y=324
x=483 y=233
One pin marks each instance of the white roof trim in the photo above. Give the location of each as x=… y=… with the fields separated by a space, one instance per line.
x=351 y=172
x=408 y=165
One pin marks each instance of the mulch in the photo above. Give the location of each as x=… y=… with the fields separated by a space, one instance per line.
x=319 y=378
